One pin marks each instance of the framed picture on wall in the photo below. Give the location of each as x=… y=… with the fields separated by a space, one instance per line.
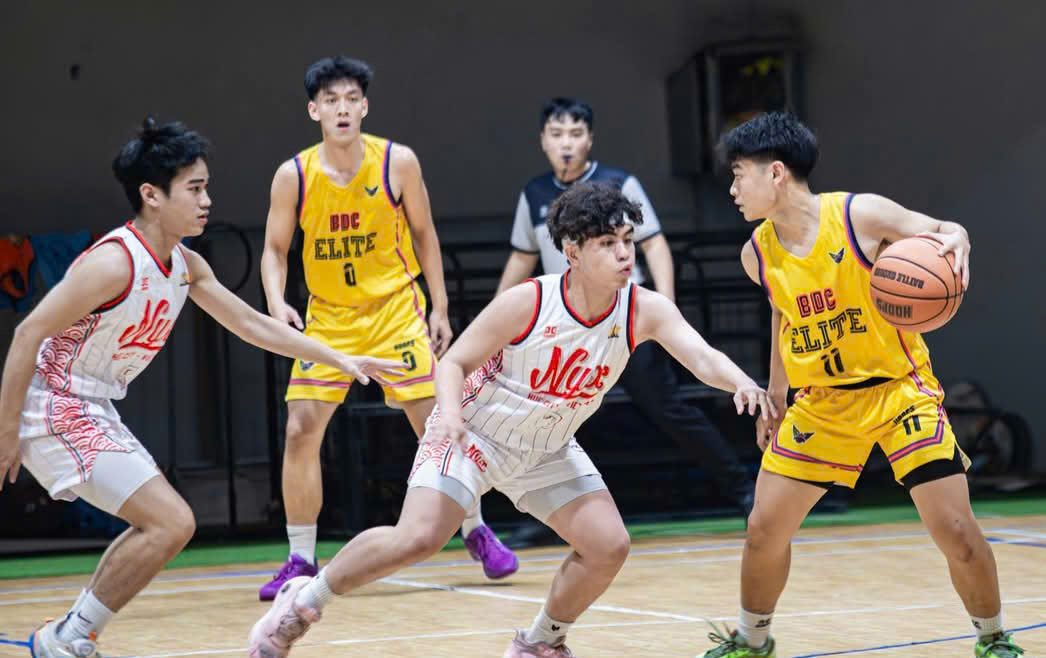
x=722 y=86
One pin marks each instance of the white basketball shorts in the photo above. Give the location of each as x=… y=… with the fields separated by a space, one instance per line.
x=538 y=483
x=78 y=447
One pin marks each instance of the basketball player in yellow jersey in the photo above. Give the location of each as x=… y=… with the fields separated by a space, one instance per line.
x=364 y=210
x=861 y=381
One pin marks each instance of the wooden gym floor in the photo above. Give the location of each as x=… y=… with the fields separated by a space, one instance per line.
x=878 y=590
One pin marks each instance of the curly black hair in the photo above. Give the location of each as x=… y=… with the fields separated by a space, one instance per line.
x=768 y=137
x=329 y=70
x=155 y=156
x=589 y=210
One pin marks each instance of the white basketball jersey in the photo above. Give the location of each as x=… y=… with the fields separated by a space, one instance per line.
x=99 y=355
x=537 y=391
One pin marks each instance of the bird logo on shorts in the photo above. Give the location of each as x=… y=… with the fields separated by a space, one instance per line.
x=305 y=365
x=838 y=256
x=800 y=437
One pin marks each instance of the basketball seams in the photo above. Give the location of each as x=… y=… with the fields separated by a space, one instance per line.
x=917 y=260
x=897 y=323
x=917 y=265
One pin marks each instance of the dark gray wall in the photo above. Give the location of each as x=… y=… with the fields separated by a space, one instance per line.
x=936 y=105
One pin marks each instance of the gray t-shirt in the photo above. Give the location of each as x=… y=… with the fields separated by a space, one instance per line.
x=530 y=234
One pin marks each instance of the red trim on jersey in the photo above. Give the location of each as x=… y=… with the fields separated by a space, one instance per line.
x=447 y=456
x=573 y=313
x=487 y=372
x=410 y=382
x=141 y=238
x=631 y=317
x=413 y=290
x=130 y=281
x=914 y=374
x=59 y=352
x=533 y=318
x=69 y=420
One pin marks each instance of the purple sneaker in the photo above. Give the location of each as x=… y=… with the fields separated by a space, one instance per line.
x=294 y=566
x=498 y=560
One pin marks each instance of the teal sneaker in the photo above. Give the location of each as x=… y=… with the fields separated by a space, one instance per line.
x=1000 y=645
x=732 y=645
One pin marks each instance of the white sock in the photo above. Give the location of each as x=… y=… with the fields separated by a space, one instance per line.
x=90 y=616
x=754 y=628
x=547 y=630
x=987 y=626
x=316 y=594
x=472 y=521
x=303 y=541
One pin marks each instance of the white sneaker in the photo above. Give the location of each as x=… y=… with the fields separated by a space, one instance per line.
x=285 y=622
x=44 y=643
x=521 y=648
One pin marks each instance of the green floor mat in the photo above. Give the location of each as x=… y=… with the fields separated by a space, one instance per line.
x=275 y=551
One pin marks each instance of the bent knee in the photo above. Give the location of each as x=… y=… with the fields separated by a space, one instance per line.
x=422 y=543
x=619 y=549
x=611 y=551
x=763 y=534
x=960 y=540
x=179 y=525
x=303 y=432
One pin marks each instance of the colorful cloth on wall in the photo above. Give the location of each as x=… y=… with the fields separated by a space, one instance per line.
x=55 y=252
x=17 y=273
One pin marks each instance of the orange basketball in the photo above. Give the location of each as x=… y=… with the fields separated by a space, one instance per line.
x=913 y=287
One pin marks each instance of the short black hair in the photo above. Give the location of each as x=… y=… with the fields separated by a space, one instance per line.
x=155 y=156
x=589 y=210
x=771 y=136
x=329 y=70
x=561 y=106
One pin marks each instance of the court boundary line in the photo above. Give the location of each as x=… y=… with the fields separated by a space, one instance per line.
x=401 y=638
x=884 y=647
x=497 y=631
x=1014 y=536
x=250 y=573
x=149 y=591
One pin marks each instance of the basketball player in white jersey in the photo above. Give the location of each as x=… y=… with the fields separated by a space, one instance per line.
x=84 y=343
x=510 y=395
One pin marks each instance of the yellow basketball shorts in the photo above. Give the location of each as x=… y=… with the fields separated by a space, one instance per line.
x=827 y=434
x=391 y=327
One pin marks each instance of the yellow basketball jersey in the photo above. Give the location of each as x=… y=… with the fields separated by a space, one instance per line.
x=357 y=244
x=831 y=334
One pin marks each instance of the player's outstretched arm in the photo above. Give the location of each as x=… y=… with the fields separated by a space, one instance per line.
x=879 y=221
x=101 y=276
x=279 y=231
x=502 y=321
x=657 y=318
x=406 y=169
x=269 y=333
